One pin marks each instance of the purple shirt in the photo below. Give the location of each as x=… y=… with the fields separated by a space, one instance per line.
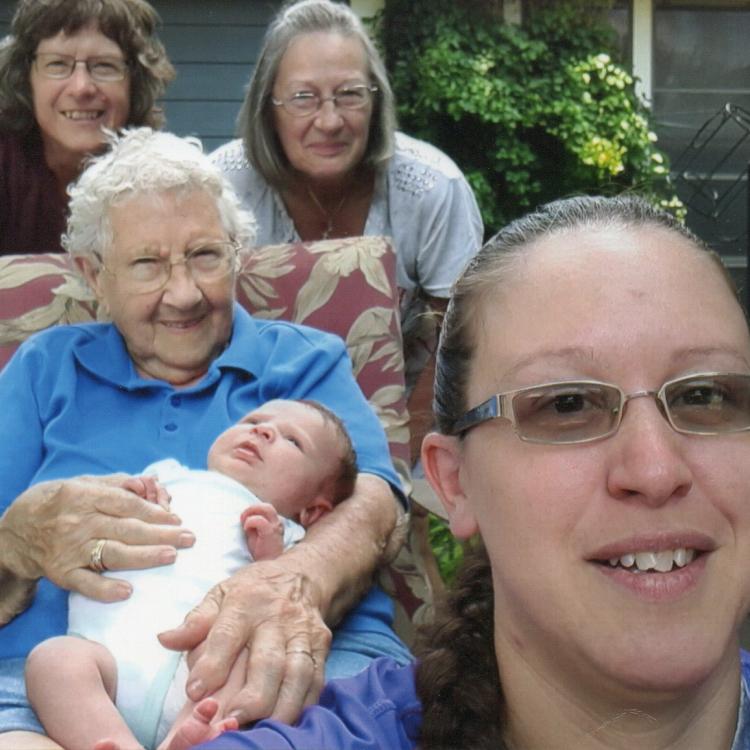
x=378 y=709
x=32 y=211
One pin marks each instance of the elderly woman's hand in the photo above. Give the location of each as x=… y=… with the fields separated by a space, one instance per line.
x=274 y=613
x=58 y=529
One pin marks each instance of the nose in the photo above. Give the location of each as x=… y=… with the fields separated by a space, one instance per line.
x=80 y=79
x=328 y=117
x=265 y=431
x=181 y=291
x=647 y=462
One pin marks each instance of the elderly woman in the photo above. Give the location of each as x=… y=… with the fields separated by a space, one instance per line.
x=319 y=158
x=69 y=69
x=593 y=402
x=156 y=232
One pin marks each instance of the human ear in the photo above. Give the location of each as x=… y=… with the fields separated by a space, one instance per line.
x=442 y=462
x=90 y=273
x=315 y=511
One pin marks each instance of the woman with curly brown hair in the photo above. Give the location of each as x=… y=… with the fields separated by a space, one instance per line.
x=593 y=408
x=68 y=69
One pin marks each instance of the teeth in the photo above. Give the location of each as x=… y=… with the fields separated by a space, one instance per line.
x=645 y=560
x=82 y=115
x=662 y=561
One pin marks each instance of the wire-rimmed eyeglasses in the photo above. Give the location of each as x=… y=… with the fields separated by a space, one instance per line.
x=306 y=103
x=59 y=67
x=709 y=403
x=208 y=262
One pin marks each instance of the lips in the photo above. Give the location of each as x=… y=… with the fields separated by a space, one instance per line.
x=83 y=114
x=661 y=554
x=181 y=325
x=328 y=149
x=247 y=452
x=662 y=561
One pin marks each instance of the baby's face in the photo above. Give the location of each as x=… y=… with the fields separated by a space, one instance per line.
x=285 y=452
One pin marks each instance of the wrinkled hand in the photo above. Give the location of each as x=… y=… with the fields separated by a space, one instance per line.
x=264 y=531
x=51 y=529
x=272 y=612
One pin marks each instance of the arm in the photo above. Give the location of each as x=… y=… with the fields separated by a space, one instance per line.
x=293 y=597
x=264 y=531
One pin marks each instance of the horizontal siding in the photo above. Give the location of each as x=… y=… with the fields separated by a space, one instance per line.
x=213 y=45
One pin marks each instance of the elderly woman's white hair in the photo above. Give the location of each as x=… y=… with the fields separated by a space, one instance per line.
x=145 y=161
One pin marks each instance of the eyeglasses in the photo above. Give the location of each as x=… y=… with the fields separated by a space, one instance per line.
x=711 y=403
x=212 y=261
x=59 y=67
x=306 y=103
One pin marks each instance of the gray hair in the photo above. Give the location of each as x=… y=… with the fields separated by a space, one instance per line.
x=497 y=264
x=144 y=161
x=256 y=124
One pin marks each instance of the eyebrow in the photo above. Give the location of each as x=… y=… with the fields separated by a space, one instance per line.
x=587 y=355
x=282 y=425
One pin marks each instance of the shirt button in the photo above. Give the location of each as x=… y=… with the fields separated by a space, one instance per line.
x=176 y=400
x=171 y=427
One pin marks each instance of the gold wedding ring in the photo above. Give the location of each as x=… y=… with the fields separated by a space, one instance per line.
x=95 y=563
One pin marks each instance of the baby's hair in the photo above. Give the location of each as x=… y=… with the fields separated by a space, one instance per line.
x=346 y=477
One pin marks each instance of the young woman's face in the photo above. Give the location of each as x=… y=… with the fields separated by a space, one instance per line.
x=635 y=309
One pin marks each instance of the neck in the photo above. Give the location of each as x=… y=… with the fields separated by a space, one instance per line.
x=555 y=710
x=66 y=167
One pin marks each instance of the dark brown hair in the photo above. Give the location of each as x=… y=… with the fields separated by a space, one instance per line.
x=129 y=23
x=457 y=677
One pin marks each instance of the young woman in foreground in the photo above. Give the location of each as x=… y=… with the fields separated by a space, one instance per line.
x=593 y=405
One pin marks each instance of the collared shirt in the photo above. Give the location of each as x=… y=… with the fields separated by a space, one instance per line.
x=74 y=404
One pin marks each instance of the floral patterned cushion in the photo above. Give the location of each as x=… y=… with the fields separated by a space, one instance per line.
x=346 y=286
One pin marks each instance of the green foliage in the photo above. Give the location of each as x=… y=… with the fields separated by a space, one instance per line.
x=530 y=113
x=448 y=551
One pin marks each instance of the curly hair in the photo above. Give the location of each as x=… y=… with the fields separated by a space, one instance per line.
x=456 y=676
x=142 y=161
x=131 y=24
x=256 y=124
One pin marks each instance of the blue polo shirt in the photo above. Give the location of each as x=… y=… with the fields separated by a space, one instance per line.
x=72 y=403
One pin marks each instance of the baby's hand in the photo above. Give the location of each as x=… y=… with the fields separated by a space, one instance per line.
x=149 y=489
x=263 y=530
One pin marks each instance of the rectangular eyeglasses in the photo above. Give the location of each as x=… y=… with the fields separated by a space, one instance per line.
x=59 y=67
x=580 y=411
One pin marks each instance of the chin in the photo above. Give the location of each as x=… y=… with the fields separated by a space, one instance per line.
x=671 y=663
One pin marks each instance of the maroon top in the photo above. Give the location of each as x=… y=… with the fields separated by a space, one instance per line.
x=32 y=211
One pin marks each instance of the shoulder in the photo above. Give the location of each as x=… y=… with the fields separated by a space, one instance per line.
x=58 y=340
x=283 y=331
x=230 y=157
x=412 y=154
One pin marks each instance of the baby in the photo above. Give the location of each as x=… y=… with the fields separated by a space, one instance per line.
x=286 y=460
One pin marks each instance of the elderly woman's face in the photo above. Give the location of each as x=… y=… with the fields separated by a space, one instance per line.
x=173 y=333
x=636 y=309
x=71 y=112
x=327 y=145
